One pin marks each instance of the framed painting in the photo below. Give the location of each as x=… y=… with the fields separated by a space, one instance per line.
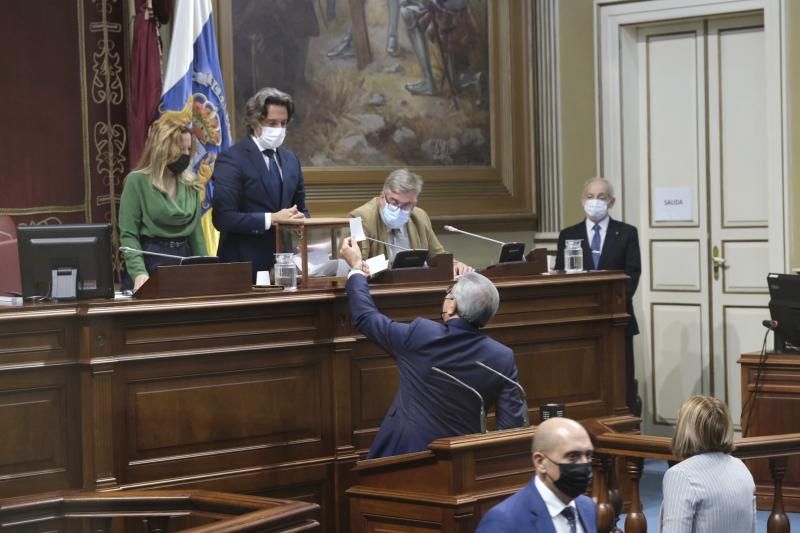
x=440 y=86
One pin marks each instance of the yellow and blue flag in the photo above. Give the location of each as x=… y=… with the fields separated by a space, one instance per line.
x=193 y=71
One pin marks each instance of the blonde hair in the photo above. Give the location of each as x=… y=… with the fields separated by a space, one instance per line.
x=163 y=146
x=704 y=425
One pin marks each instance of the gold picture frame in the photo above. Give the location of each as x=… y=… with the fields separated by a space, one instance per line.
x=497 y=196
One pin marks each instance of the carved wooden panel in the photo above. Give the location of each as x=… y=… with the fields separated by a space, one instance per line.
x=38 y=443
x=35 y=341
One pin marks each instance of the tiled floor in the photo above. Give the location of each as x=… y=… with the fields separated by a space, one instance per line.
x=651 y=498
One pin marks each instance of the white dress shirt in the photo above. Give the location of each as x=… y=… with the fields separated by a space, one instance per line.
x=267 y=161
x=603 y=230
x=555 y=506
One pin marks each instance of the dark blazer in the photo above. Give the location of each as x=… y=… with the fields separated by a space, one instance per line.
x=428 y=405
x=526 y=512
x=243 y=192
x=620 y=252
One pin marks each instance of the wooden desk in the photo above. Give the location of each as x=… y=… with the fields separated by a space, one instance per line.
x=270 y=394
x=774 y=412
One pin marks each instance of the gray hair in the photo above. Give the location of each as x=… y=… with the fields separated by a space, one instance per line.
x=476 y=298
x=256 y=107
x=609 y=187
x=403 y=180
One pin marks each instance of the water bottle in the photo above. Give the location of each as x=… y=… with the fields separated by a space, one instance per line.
x=573 y=257
x=285 y=271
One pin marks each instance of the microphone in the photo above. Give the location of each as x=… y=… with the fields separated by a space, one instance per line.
x=190 y=260
x=128 y=249
x=525 y=419
x=387 y=243
x=770 y=324
x=483 y=408
x=456 y=230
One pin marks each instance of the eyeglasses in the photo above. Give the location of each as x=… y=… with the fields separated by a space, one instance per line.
x=449 y=292
x=407 y=207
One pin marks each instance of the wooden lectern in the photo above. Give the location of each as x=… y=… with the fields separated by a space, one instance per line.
x=449 y=487
x=177 y=281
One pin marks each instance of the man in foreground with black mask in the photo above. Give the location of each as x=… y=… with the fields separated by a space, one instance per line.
x=554 y=499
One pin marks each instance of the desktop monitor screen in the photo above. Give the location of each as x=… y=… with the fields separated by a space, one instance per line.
x=784 y=309
x=77 y=256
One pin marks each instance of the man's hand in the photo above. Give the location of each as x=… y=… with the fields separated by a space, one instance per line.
x=290 y=213
x=460 y=268
x=139 y=281
x=351 y=253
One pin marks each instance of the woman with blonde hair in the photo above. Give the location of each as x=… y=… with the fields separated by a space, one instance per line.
x=159 y=209
x=709 y=490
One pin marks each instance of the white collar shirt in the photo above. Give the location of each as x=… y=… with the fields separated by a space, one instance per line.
x=554 y=508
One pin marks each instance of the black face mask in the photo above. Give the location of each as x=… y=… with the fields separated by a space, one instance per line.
x=177 y=167
x=574 y=478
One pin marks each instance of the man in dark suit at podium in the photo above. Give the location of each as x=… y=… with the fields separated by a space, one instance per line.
x=553 y=501
x=428 y=404
x=257 y=183
x=608 y=244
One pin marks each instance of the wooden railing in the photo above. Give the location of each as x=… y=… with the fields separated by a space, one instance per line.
x=634 y=449
x=156 y=511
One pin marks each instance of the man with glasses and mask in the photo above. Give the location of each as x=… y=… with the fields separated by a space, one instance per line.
x=429 y=405
x=553 y=501
x=393 y=217
x=258 y=183
x=608 y=244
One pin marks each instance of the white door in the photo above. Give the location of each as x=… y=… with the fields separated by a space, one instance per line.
x=693 y=100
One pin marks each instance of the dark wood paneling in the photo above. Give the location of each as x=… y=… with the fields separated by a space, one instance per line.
x=774 y=412
x=267 y=394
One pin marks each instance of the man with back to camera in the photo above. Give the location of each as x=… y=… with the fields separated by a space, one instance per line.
x=393 y=217
x=608 y=244
x=428 y=405
x=553 y=501
x=258 y=183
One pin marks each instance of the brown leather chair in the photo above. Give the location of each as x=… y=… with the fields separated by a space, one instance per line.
x=10 y=281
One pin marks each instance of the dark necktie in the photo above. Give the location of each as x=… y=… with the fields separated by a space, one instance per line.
x=596 y=246
x=569 y=514
x=274 y=173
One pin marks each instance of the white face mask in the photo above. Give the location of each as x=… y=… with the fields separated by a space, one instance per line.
x=393 y=216
x=272 y=137
x=596 y=209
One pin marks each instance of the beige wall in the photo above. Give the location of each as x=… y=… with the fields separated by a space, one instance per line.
x=792 y=27
x=578 y=139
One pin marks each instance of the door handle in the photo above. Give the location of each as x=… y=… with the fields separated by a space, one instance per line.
x=717 y=261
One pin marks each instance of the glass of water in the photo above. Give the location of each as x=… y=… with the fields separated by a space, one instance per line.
x=573 y=256
x=285 y=271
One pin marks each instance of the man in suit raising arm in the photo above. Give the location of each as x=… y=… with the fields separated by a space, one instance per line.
x=258 y=183
x=608 y=244
x=553 y=501
x=429 y=405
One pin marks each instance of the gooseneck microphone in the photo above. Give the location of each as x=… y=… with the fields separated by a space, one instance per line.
x=387 y=243
x=770 y=324
x=128 y=249
x=525 y=419
x=478 y=394
x=456 y=230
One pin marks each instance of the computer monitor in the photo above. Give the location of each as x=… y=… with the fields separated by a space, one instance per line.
x=784 y=309
x=410 y=259
x=512 y=252
x=66 y=261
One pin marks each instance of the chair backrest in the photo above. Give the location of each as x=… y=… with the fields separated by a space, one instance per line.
x=10 y=279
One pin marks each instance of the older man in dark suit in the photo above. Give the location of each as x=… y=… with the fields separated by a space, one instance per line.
x=428 y=404
x=608 y=244
x=257 y=183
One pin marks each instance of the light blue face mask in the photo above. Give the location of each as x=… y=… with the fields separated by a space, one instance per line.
x=393 y=216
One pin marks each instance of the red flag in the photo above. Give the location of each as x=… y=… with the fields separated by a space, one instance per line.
x=145 y=77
